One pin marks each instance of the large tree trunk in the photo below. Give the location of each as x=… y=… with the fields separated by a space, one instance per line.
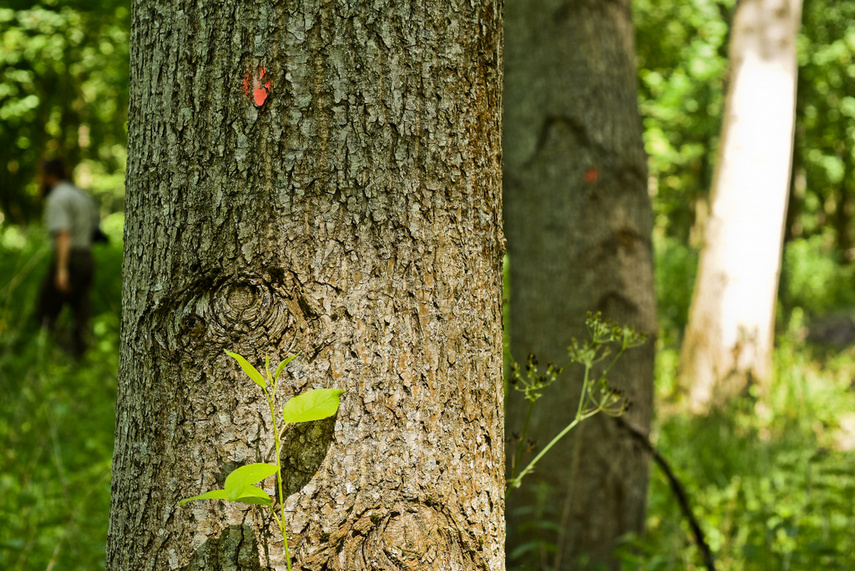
x=729 y=336
x=317 y=178
x=578 y=221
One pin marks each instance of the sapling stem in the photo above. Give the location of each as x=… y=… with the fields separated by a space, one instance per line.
x=271 y=397
x=314 y=404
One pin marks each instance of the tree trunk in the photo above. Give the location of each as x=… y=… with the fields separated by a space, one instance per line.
x=793 y=228
x=844 y=210
x=320 y=178
x=729 y=337
x=578 y=221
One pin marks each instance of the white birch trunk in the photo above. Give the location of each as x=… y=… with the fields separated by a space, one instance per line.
x=730 y=332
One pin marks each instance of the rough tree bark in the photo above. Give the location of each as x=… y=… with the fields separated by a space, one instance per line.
x=578 y=221
x=728 y=339
x=315 y=177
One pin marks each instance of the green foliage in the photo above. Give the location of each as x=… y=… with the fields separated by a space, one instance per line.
x=315 y=404
x=240 y=480
x=251 y=371
x=813 y=279
x=56 y=416
x=311 y=405
x=769 y=477
x=682 y=62
x=825 y=134
x=239 y=487
x=63 y=92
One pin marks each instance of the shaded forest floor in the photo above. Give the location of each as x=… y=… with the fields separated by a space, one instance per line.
x=770 y=478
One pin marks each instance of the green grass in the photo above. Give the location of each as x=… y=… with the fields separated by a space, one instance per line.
x=771 y=478
x=56 y=415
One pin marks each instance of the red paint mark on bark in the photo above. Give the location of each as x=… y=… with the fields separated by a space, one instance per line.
x=591 y=175
x=255 y=87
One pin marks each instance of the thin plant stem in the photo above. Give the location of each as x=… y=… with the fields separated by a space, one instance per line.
x=584 y=394
x=518 y=458
x=612 y=364
x=546 y=449
x=580 y=416
x=281 y=519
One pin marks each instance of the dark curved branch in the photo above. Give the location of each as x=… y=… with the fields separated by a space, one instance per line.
x=678 y=490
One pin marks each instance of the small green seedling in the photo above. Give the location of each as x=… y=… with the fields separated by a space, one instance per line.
x=240 y=486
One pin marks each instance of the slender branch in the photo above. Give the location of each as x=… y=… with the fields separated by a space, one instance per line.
x=679 y=492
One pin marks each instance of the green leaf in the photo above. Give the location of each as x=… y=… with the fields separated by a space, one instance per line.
x=242 y=478
x=254 y=495
x=283 y=364
x=312 y=405
x=212 y=495
x=249 y=369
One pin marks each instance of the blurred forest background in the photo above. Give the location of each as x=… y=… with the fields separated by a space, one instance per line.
x=770 y=476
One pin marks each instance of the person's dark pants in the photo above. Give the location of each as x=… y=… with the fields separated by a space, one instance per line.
x=51 y=300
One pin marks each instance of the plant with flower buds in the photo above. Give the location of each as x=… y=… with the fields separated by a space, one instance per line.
x=596 y=395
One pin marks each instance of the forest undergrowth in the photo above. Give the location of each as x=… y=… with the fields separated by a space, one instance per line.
x=56 y=414
x=769 y=478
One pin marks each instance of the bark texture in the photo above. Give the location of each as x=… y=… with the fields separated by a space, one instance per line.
x=578 y=222
x=728 y=339
x=323 y=178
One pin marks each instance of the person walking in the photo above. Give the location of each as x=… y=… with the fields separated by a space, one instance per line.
x=72 y=220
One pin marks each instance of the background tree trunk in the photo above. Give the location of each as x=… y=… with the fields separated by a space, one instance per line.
x=317 y=178
x=578 y=222
x=843 y=210
x=729 y=336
